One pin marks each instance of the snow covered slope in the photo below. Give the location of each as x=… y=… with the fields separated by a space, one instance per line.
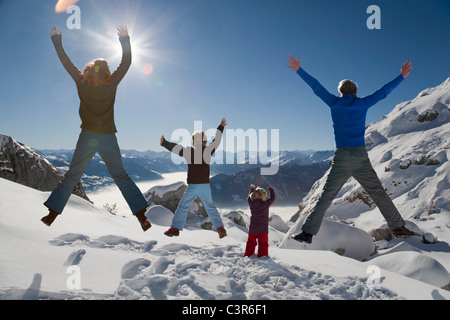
x=113 y=259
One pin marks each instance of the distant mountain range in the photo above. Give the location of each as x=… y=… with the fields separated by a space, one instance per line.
x=291 y=183
x=141 y=166
x=297 y=172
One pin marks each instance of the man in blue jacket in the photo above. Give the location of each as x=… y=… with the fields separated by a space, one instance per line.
x=348 y=113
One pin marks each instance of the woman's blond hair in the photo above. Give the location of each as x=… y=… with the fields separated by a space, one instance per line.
x=259 y=193
x=96 y=73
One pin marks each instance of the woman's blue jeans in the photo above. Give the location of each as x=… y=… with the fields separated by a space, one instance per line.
x=89 y=143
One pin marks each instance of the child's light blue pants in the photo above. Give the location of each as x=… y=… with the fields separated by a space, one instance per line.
x=106 y=145
x=202 y=190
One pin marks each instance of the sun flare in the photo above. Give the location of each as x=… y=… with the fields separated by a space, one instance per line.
x=62 y=5
x=148 y=34
x=142 y=51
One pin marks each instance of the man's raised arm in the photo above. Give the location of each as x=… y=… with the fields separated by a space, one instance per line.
x=315 y=85
x=383 y=92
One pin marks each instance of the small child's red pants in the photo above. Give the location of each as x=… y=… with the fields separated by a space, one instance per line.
x=263 y=244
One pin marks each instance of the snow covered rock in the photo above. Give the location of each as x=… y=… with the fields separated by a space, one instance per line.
x=277 y=223
x=405 y=164
x=335 y=236
x=386 y=156
x=170 y=195
x=428 y=115
x=415 y=265
x=428 y=238
x=382 y=234
x=420 y=159
x=437 y=158
x=236 y=217
x=159 y=215
x=374 y=138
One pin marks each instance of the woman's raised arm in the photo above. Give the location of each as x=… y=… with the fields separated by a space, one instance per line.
x=63 y=57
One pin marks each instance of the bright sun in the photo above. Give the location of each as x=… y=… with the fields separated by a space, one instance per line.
x=142 y=52
x=145 y=37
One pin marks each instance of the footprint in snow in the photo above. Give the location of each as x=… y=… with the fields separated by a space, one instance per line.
x=68 y=239
x=75 y=257
x=132 y=269
x=105 y=242
x=161 y=265
x=184 y=272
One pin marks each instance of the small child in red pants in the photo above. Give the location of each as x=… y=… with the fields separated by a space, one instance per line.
x=258 y=232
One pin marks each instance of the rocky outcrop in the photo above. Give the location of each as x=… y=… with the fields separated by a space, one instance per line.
x=237 y=216
x=428 y=115
x=382 y=234
x=21 y=164
x=405 y=164
x=431 y=160
x=169 y=196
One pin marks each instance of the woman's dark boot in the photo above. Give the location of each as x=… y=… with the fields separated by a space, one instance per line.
x=48 y=219
x=145 y=224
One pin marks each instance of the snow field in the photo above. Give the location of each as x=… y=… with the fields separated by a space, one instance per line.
x=116 y=260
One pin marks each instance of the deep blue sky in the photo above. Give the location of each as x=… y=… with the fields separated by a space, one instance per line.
x=214 y=59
